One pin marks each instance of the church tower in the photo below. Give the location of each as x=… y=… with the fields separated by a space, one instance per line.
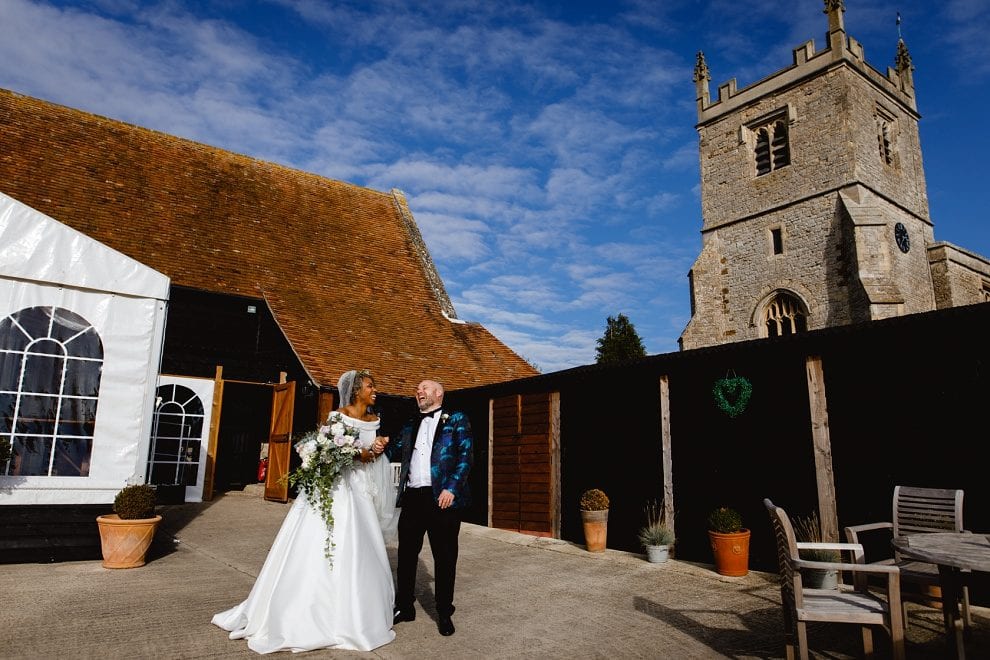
x=814 y=207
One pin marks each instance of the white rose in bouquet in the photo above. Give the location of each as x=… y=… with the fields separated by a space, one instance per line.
x=306 y=451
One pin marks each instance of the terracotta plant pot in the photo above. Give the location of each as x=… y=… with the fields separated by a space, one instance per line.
x=731 y=552
x=125 y=542
x=595 y=529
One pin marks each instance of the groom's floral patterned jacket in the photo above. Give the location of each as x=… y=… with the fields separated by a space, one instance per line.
x=450 y=460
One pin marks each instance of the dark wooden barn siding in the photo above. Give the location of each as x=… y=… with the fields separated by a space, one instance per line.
x=206 y=329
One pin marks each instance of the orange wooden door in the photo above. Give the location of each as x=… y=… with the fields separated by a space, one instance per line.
x=524 y=463
x=279 y=442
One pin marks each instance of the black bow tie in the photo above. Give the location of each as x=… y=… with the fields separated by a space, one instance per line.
x=432 y=413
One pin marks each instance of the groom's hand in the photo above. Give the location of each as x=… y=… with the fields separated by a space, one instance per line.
x=446 y=499
x=378 y=446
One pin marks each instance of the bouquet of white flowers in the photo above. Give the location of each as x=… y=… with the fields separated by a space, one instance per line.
x=325 y=452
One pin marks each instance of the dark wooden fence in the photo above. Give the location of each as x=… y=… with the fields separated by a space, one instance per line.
x=907 y=402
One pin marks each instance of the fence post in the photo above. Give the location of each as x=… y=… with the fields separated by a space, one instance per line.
x=822 y=449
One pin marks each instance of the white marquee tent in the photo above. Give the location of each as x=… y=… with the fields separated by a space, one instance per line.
x=81 y=332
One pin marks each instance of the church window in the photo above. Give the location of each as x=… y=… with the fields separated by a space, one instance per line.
x=883 y=139
x=51 y=361
x=785 y=315
x=885 y=135
x=772 y=147
x=691 y=289
x=986 y=292
x=777 y=239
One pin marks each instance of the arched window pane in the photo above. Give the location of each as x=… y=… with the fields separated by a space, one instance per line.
x=29 y=456
x=10 y=370
x=87 y=344
x=72 y=457
x=77 y=417
x=36 y=415
x=82 y=378
x=67 y=325
x=7 y=402
x=12 y=337
x=35 y=321
x=42 y=373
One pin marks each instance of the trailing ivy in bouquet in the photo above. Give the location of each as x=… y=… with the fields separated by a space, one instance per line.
x=326 y=453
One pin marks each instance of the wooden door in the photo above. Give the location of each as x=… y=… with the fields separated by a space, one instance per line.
x=525 y=463
x=279 y=442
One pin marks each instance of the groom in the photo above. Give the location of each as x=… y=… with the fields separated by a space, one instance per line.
x=436 y=455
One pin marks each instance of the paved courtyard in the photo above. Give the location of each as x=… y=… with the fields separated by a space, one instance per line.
x=517 y=597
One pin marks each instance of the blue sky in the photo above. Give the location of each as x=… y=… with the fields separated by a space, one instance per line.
x=547 y=149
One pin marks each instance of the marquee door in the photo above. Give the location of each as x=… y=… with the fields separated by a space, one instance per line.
x=525 y=479
x=279 y=442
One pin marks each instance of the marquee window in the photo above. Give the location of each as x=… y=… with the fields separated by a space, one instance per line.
x=176 y=434
x=51 y=360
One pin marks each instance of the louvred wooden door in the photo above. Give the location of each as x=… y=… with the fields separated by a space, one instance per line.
x=279 y=442
x=525 y=464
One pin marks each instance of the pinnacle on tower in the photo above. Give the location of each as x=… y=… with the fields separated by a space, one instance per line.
x=701 y=78
x=902 y=63
x=835 y=9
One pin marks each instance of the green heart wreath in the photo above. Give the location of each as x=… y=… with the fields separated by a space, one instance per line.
x=732 y=395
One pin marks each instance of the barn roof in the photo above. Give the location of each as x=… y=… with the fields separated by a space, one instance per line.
x=342 y=267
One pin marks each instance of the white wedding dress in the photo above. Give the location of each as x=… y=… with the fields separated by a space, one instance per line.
x=299 y=601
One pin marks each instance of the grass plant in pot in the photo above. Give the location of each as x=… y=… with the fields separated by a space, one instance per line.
x=730 y=542
x=656 y=535
x=808 y=529
x=126 y=534
x=594 y=516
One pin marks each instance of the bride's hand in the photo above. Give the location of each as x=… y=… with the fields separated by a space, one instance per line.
x=379 y=445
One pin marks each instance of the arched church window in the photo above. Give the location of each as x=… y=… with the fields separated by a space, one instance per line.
x=51 y=360
x=785 y=315
x=771 y=144
x=781 y=148
x=176 y=434
x=885 y=135
x=762 y=151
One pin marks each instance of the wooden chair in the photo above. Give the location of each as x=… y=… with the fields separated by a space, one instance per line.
x=919 y=511
x=846 y=604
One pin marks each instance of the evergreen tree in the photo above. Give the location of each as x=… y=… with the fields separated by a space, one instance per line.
x=620 y=342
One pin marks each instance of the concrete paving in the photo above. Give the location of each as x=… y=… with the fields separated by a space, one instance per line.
x=517 y=597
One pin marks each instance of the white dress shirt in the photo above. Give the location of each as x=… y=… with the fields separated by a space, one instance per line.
x=419 y=465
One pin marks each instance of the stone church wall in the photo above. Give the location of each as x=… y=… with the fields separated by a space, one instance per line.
x=960 y=277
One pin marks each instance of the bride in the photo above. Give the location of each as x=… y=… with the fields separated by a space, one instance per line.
x=301 y=601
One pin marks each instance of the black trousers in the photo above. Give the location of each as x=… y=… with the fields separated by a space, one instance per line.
x=420 y=514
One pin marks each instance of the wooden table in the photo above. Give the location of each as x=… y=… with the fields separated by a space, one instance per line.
x=953 y=552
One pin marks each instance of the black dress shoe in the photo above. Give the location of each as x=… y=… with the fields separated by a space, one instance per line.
x=445 y=626
x=400 y=615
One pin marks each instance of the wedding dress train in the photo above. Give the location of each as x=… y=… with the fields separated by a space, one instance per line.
x=299 y=601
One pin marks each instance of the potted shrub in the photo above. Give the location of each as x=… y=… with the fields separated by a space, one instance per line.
x=730 y=542
x=126 y=534
x=809 y=530
x=656 y=536
x=594 y=515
